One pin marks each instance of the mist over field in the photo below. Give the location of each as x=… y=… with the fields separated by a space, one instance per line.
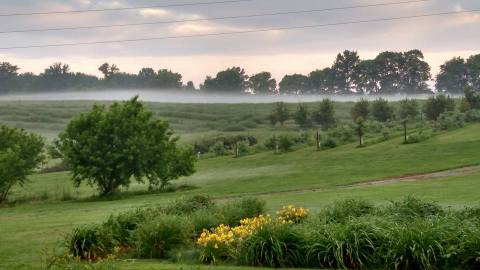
x=176 y=96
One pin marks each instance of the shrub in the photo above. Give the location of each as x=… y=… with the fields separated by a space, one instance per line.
x=235 y=211
x=342 y=211
x=188 y=205
x=206 y=219
x=382 y=111
x=155 y=238
x=218 y=148
x=416 y=138
x=450 y=121
x=343 y=133
x=89 y=243
x=349 y=245
x=285 y=143
x=411 y=207
x=472 y=116
x=328 y=143
x=360 y=109
x=435 y=106
x=324 y=115
x=273 y=245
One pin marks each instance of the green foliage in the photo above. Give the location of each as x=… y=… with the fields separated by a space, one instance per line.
x=20 y=154
x=342 y=211
x=295 y=84
x=157 y=237
x=231 y=80
x=218 y=148
x=188 y=205
x=108 y=147
x=412 y=207
x=472 y=98
x=472 y=116
x=382 y=111
x=450 y=121
x=360 y=129
x=408 y=109
x=89 y=243
x=302 y=116
x=437 y=105
x=236 y=210
x=328 y=143
x=272 y=246
x=360 y=109
x=285 y=143
x=280 y=114
x=325 y=114
x=263 y=83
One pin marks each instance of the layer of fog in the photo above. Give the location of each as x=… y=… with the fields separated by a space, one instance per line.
x=187 y=97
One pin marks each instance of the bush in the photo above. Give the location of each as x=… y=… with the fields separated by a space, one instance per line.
x=157 y=237
x=472 y=116
x=349 y=245
x=343 y=133
x=206 y=219
x=89 y=243
x=342 y=211
x=411 y=207
x=218 y=148
x=435 y=106
x=234 y=211
x=273 y=246
x=188 y=205
x=450 y=121
x=285 y=143
x=382 y=111
x=328 y=143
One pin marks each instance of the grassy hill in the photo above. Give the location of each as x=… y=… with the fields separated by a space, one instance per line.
x=304 y=176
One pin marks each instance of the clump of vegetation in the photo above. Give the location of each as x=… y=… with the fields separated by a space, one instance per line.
x=382 y=111
x=20 y=154
x=106 y=148
x=342 y=211
x=328 y=143
x=324 y=115
x=435 y=106
x=450 y=121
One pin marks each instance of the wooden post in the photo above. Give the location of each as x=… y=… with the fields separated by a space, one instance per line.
x=405 y=130
x=318 y=140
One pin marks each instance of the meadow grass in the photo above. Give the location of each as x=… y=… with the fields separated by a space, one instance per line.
x=49 y=206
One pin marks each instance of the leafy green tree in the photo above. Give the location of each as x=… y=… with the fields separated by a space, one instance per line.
x=361 y=108
x=190 y=86
x=415 y=73
x=473 y=65
x=280 y=114
x=20 y=154
x=232 y=80
x=295 y=84
x=166 y=79
x=343 y=69
x=146 y=77
x=382 y=111
x=360 y=129
x=263 y=83
x=472 y=98
x=322 y=81
x=408 y=109
x=302 y=116
x=107 y=147
x=453 y=76
x=108 y=70
x=8 y=76
x=437 y=105
x=324 y=115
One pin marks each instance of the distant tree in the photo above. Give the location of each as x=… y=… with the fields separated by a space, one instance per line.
x=382 y=111
x=146 y=77
x=280 y=114
x=408 y=109
x=295 y=84
x=361 y=108
x=190 y=86
x=302 y=116
x=263 y=83
x=366 y=77
x=453 y=76
x=56 y=76
x=343 y=69
x=166 y=79
x=232 y=80
x=324 y=115
x=8 y=76
x=107 y=147
x=322 y=81
x=20 y=154
x=415 y=73
x=435 y=106
x=473 y=65
x=108 y=70
x=472 y=98
x=360 y=129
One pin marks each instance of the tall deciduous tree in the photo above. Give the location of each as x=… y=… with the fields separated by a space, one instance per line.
x=295 y=84
x=232 y=80
x=453 y=76
x=263 y=83
x=8 y=76
x=324 y=115
x=279 y=114
x=473 y=65
x=322 y=81
x=302 y=116
x=20 y=154
x=382 y=111
x=107 y=147
x=343 y=69
x=361 y=108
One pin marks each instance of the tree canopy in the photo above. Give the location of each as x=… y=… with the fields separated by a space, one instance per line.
x=107 y=147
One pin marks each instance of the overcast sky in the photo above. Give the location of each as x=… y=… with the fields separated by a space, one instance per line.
x=281 y=52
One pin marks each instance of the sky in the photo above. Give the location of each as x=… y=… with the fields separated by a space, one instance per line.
x=280 y=52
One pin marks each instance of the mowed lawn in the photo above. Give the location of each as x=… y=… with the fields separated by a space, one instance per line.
x=28 y=229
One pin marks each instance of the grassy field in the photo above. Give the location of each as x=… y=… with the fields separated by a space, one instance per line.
x=50 y=206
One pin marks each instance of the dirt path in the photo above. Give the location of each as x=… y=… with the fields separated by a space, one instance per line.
x=386 y=181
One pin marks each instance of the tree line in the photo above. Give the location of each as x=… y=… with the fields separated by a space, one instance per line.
x=388 y=73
